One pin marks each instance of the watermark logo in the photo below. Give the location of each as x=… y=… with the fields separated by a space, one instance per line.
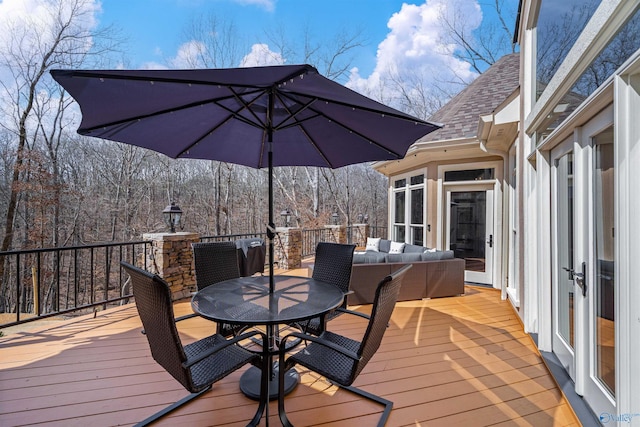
x=606 y=417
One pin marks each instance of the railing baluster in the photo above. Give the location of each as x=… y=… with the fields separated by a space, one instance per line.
x=36 y=291
x=18 y=286
x=50 y=305
x=92 y=274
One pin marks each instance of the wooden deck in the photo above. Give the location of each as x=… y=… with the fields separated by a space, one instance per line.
x=462 y=361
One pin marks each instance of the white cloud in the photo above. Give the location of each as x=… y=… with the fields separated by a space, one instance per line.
x=268 y=5
x=261 y=55
x=415 y=50
x=28 y=30
x=189 y=55
x=154 y=66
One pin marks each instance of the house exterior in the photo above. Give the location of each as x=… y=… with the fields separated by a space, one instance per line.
x=534 y=181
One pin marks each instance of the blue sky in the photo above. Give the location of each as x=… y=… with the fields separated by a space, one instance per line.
x=406 y=55
x=155 y=28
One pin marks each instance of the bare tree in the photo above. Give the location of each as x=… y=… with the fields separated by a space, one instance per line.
x=31 y=46
x=483 y=47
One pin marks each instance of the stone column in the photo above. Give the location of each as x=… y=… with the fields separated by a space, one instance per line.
x=336 y=233
x=171 y=258
x=287 y=247
x=360 y=234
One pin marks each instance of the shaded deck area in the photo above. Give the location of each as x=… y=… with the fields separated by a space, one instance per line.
x=450 y=361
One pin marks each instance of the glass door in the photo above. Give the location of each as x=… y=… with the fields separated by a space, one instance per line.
x=563 y=292
x=583 y=275
x=600 y=373
x=470 y=219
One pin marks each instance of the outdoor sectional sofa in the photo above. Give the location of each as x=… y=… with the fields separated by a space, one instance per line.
x=434 y=273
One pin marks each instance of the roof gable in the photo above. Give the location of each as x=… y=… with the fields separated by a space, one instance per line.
x=460 y=115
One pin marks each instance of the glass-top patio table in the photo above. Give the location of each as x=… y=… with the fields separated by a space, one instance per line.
x=247 y=301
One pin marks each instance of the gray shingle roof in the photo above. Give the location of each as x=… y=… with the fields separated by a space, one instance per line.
x=460 y=115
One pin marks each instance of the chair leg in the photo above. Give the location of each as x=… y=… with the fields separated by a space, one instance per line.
x=281 y=413
x=263 y=407
x=388 y=405
x=171 y=408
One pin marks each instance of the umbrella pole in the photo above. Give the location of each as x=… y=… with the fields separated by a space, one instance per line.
x=271 y=229
x=272 y=226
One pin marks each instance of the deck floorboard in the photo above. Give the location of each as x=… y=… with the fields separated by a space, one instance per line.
x=449 y=361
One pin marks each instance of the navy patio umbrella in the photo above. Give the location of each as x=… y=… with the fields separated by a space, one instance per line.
x=287 y=115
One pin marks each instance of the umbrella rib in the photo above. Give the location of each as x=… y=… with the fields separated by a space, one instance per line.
x=171 y=110
x=319 y=113
x=299 y=123
x=159 y=79
x=233 y=115
x=400 y=115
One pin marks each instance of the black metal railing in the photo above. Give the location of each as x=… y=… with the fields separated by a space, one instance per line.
x=230 y=237
x=41 y=283
x=378 y=231
x=311 y=237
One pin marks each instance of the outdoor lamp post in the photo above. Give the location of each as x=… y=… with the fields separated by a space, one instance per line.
x=366 y=218
x=334 y=218
x=286 y=217
x=360 y=218
x=172 y=216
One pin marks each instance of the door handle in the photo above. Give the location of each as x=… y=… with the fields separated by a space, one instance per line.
x=490 y=242
x=571 y=272
x=579 y=278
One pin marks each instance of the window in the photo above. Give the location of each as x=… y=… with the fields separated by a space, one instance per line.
x=559 y=25
x=409 y=195
x=469 y=175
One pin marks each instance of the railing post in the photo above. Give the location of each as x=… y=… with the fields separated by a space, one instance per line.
x=288 y=247
x=171 y=258
x=360 y=234
x=336 y=233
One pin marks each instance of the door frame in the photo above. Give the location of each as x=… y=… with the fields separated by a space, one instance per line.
x=583 y=363
x=562 y=350
x=486 y=277
x=498 y=275
x=588 y=386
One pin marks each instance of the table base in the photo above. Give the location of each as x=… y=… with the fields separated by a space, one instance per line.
x=250 y=382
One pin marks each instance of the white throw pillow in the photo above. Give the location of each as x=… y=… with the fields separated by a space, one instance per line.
x=396 y=248
x=430 y=250
x=373 y=244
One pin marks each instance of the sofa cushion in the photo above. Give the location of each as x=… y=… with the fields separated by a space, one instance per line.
x=385 y=245
x=405 y=257
x=413 y=249
x=437 y=255
x=396 y=248
x=369 y=257
x=430 y=256
x=447 y=255
x=373 y=244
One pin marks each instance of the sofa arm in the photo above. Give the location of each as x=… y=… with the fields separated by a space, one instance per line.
x=445 y=278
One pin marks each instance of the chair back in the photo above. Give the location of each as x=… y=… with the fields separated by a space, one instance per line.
x=383 y=304
x=215 y=262
x=333 y=264
x=153 y=300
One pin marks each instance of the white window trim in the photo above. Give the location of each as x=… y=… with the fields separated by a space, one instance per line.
x=498 y=178
x=407 y=212
x=511 y=198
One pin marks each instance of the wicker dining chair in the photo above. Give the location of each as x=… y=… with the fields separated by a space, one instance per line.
x=341 y=359
x=333 y=262
x=215 y=262
x=197 y=365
